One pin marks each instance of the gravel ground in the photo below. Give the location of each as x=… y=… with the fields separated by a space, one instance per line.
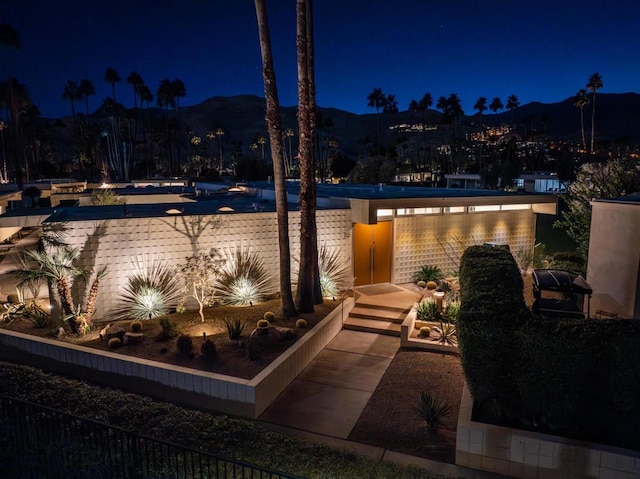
x=388 y=420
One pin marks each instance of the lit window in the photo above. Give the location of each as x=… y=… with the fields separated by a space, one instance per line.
x=516 y=207
x=384 y=213
x=481 y=208
x=455 y=209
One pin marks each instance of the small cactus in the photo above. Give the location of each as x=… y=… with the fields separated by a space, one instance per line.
x=269 y=316
x=263 y=323
x=301 y=323
x=425 y=331
x=184 y=344
x=114 y=343
x=421 y=284
x=135 y=326
x=208 y=349
x=431 y=285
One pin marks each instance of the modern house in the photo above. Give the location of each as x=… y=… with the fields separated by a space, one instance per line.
x=386 y=233
x=614 y=257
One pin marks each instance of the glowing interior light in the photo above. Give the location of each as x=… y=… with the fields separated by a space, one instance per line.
x=516 y=207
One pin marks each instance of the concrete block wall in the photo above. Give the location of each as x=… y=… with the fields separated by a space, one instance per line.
x=529 y=455
x=441 y=239
x=174 y=238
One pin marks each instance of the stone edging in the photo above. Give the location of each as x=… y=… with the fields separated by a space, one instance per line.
x=406 y=341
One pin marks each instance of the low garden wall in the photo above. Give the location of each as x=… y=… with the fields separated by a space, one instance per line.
x=528 y=454
x=243 y=397
x=406 y=341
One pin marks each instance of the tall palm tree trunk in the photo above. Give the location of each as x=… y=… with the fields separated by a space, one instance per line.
x=274 y=126
x=305 y=293
x=584 y=143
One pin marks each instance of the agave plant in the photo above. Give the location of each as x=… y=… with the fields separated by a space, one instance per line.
x=333 y=270
x=243 y=279
x=428 y=310
x=452 y=312
x=151 y=290
x=427 y=273
x=432 y=409
x=448 y=334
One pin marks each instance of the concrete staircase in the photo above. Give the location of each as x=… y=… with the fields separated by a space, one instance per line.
x=370 y=316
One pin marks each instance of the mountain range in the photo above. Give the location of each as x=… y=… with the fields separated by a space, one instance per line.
x=242 y=117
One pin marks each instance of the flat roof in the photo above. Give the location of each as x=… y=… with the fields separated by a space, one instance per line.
x=631 y=198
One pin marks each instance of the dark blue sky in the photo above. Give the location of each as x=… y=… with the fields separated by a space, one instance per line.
x=538 y=50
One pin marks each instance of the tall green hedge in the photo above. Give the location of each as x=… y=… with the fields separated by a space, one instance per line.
x=578 y=378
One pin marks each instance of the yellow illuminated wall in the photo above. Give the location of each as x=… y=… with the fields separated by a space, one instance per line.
x=441 y=239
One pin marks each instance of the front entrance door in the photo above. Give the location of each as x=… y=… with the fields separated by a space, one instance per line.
x=372 y=253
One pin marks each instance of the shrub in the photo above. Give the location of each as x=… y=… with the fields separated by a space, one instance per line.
x=34 y=313
x=135 y=326
x=263 y=323
x=428 y=310
x=208 y=349
x=269 y=316
x=234 y=327
x=13 y=298
x=425 y=331
x=452 y=312
x=114 y=343
x=184 y=344
x=432 y=409
x=301 y=323
x=169 y=329
x=427 y=273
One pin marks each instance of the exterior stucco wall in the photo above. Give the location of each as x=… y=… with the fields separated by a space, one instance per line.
x=441 y=239
x=614 y=258
x=174 y=238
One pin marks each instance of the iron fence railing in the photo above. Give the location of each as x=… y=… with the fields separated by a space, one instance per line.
x=39 y=442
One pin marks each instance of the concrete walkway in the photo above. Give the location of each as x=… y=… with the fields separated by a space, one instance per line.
x=330 y=394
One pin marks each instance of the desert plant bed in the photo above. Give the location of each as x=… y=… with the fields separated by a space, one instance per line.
x=231 y=356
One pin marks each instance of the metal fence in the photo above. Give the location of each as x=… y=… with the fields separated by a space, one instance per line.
x=39 y=442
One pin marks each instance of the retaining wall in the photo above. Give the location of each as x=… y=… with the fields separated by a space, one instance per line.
x=192 y=387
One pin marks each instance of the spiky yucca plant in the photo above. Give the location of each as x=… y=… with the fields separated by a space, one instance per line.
x=152 y=289
x=432 y=409
x=333 y=270
x=243 y=278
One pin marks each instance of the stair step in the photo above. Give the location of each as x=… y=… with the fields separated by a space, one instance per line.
x=377 y=314
x=372 y=326
x=370 y=303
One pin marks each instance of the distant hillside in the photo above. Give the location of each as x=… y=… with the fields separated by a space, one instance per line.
x=617 y=119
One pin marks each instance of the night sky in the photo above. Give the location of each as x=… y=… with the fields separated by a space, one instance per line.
x=536 y=50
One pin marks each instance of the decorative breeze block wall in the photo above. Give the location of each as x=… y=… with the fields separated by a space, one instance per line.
x=441 y=239
x=116 y=242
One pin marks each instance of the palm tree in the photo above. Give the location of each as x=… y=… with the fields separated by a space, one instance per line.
x=496 y=104
x=166 y=99
x=481 y=106
x=423 y=105
x=111 y=76
x=305 y=293
x=580 y=101
x=512 y=104
x=72 y=93
x=86 y=89
x=58 y=268
x=274 y=125
x=376 y=99
x=135 y=80
x=593 y=85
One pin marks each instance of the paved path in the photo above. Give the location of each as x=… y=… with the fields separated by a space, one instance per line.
x=332 y=391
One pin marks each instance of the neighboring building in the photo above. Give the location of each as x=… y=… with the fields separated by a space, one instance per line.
x=614 y=257
x=542 y=182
